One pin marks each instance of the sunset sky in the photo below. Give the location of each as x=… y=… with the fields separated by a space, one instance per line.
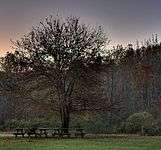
x=125 y=21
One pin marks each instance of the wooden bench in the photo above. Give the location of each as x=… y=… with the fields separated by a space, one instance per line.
x=60 y=132
x=56 y=132
x=79 y=132
x=64 y=132
x=43 y=131
x=19 y=131
x=33 y=131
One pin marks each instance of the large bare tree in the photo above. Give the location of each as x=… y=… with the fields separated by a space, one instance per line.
x=59 y=49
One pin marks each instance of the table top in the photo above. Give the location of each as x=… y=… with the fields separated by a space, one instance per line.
x=56 y=129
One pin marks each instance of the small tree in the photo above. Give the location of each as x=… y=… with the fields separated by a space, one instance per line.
x=60 y=50
x=136 y=122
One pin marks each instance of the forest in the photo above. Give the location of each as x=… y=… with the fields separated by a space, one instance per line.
x=61 y=75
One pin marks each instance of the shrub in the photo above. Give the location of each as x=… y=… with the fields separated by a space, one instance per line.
x=12 y=124
x=33 y=123
x=137 y=121
x=92 y=123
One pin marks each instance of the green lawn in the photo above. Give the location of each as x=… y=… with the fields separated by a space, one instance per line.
x=81 y=144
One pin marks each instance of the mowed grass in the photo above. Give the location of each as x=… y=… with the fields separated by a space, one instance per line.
x=147 y=143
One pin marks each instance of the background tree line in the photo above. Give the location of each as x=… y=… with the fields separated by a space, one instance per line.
x=61 y=68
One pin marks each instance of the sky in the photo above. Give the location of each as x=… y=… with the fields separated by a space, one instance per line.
x=124 y=21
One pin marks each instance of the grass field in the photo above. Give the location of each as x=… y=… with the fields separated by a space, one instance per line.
x=147 y=143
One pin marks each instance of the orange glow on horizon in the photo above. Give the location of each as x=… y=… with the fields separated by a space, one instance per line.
x=4 y=48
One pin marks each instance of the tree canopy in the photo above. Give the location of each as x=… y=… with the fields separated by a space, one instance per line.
x=60 y=49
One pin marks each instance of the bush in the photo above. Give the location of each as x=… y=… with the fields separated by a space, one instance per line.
x=37 y=122
x=34 y=123
x=137 y=121
x=92 y=123
x=43 y=123
x=12 y=124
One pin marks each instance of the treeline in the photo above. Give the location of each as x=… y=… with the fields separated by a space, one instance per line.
x=61 y=68
x=129 y=78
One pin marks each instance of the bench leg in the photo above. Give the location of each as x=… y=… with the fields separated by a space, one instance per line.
x=61 y=135
x=82 y=135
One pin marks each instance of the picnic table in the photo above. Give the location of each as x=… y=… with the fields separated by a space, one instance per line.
x=43 y=131
x=32 y=131
x=55 y=131
x=40 y=132
x=60 y=132
x=19 y=131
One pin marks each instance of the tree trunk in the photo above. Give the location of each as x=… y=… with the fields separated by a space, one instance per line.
x=65 y=118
